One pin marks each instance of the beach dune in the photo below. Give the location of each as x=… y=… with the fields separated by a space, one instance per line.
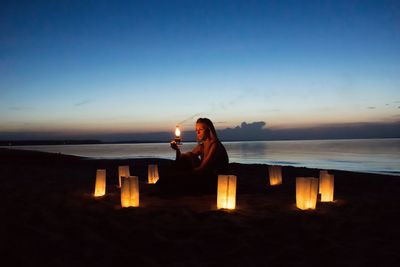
x=49 y=217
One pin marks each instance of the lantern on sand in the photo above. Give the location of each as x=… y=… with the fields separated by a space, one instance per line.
x=326 y=186
x=152 y=172
x=226 y=195
x=100 y=186
x=275 y=175
x=178 y=135
x=122 y=171
x=130 y=191
x=306 y=192
x=321 y=174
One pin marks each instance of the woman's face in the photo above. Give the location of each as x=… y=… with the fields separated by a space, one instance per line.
x=201 y=131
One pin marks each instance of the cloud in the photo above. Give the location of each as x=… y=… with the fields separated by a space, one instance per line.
x=371 y=108
x=246 y=131
x=258 y=131
x=82 y=103
x=16 y=108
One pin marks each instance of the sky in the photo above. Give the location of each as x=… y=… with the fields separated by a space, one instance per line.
x=76 y=68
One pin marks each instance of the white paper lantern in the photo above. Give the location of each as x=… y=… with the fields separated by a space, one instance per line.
x=226 y=195
x=100 y=186
x=123 y=171
x=321 y=174
x=326 y=187
x=275 y=175
x=130 y=191
x=306 y=192
x=152 y=172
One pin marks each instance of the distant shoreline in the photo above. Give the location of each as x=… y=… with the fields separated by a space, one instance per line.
x=5 y=143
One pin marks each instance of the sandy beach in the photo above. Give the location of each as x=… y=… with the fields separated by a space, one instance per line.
x=49 y=217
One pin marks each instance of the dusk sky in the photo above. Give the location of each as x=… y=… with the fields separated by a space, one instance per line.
x=84 y=67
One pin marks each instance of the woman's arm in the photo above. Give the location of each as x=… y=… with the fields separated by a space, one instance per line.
x=197 y=150
x=178 y=154
x=208 y=158
x=175 y=146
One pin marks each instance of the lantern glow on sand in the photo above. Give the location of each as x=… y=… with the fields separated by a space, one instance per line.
x=178 y=135
x=130 y=191
x=226 y=195
x=326 y=186
x=152 y=172
x=122 y=171
x=306 y=192
x=275 y=175
x=100 y=187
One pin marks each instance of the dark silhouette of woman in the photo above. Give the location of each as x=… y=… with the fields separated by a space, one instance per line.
x=197 y=171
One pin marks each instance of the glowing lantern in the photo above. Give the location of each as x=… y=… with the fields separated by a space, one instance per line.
x=306 y=192
x=123 y=171
x=321 y=174
x=226 y=196
x=275 y=175
x=153 y=173
x=130 y=191
x=177 y=135
x=100 y=187
x=326 y=185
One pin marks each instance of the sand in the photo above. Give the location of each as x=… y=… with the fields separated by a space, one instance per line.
x=49 y=217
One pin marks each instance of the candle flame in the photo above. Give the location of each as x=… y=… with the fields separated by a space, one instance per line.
x=177 y=132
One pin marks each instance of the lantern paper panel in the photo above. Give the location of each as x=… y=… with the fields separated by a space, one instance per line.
x=275 y=175
x=100 y=186
x=321 y=175
x=306 y=192
x=130 y=191
x=123 y=171
x=226 y=195
x=326 y=187
x=153 y=173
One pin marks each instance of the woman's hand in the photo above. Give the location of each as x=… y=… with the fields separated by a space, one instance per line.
x=174 y=145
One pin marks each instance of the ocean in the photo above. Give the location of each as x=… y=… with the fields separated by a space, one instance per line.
x=360 y=155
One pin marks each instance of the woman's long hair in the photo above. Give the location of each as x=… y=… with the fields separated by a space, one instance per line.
x=210 y=125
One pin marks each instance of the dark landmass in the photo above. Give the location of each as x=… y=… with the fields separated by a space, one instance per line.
x=49 y=217
x=47 y=142
x=97 y=142
x=67 y=142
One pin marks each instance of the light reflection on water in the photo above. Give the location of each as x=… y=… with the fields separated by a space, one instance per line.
x=363 y=155
x=373 y=155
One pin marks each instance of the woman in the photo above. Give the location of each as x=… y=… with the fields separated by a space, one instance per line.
x=197 y=171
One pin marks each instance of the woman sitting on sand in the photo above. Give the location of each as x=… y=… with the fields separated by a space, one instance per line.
x=199 y=168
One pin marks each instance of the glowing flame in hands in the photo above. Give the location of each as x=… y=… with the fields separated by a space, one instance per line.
x=177 y=132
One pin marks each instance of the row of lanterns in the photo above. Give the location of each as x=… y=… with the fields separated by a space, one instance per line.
x=129 y=184
x=307 y=188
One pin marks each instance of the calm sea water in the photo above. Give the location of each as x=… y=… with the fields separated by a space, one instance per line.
x=366 y=155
